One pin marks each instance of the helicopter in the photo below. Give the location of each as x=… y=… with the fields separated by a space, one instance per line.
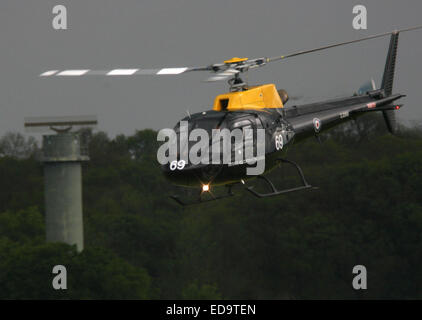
x=263 y=107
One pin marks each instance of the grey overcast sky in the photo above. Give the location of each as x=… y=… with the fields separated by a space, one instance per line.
x=107 y=34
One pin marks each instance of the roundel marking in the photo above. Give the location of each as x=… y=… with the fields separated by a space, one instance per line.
x=317 y=124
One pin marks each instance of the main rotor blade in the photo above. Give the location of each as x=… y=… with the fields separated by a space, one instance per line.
x=294 y=54
x=119 y=72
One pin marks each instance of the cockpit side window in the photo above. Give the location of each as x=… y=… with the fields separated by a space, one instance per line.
x=224 y=103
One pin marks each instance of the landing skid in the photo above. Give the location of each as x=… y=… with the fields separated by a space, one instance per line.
x=274 y=191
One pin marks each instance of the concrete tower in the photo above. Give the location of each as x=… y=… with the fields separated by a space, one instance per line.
x=63 y=154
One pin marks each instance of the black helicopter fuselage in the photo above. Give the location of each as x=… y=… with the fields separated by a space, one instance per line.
x=270 y=120
x=291 y=123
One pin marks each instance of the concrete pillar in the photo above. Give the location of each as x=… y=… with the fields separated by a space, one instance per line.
x=62 y=157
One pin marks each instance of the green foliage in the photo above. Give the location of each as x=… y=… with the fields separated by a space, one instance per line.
x=15 y=145
x=20 y=184
x=23 y=226
x=204 y=292
x=139 y=244
x=26 y=273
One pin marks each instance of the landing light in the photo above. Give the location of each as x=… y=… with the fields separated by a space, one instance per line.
x=205 y=187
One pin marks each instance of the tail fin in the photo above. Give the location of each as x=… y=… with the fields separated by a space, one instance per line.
x=388 y=80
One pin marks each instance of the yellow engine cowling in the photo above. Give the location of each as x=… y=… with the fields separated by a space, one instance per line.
x=255 y=98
